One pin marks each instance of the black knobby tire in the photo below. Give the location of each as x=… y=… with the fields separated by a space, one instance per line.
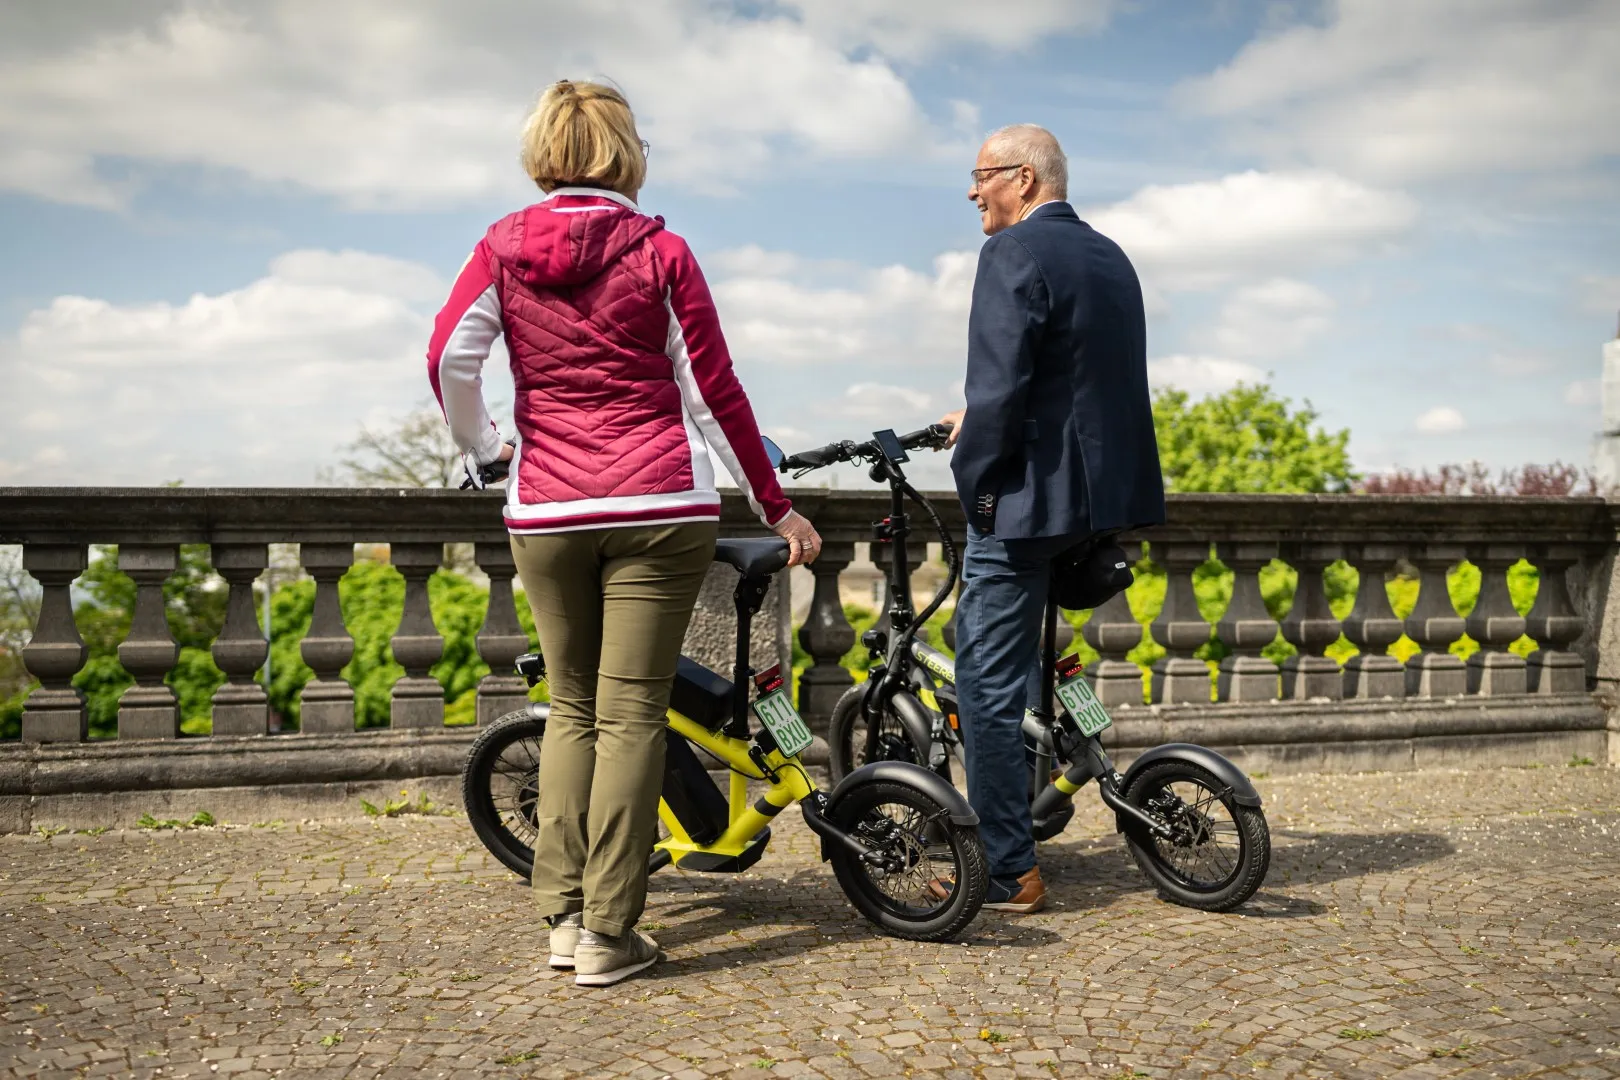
x=932 y=848
x=1222 y=850
x=849 y=736
x=500 y=787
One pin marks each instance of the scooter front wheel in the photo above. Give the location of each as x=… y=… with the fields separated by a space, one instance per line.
x=924 y=877
x=1218 y=851
x=853 y=740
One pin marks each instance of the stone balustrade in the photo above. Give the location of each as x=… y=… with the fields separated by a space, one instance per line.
x=1560 y=685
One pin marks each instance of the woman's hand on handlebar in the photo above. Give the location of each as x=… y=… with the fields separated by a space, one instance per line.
x=952 y=420
x=804 y=543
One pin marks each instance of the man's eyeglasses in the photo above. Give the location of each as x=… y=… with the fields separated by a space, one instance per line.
x=981 y=175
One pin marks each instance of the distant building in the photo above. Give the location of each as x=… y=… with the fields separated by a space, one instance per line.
x=1607 y=451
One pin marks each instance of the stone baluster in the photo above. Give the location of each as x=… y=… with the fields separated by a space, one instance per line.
x=1113 y=631
x=55 y=711
x=327 y=704
x=1495 y=624
x=1372 y=627
x=501 y=639
x=1434 y=624
x=418 y=699
x=1178 y=678
x=1246 y=626
x=826 y=635
x=240 y=705
x=149 y=709
x=1311 y=627
x=1555 y=625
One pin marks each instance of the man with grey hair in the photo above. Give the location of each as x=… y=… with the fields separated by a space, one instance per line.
x=1055 y=449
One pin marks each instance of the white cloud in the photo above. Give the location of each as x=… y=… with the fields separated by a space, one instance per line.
x=913 y=28
x=1393 y=89
x=256 y=385
x=415 y=104
x=1275 y=318
x=1584 y=392
x=1601 y=294
x=900 y=407
x=1441 y=420
x=1251 y=224
x=779 y=309
x=1201 y=376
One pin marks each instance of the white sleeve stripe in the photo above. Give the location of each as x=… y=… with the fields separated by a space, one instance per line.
x=700 y=412
x=461 y=381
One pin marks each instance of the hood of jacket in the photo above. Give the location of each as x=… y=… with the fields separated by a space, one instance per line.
x=569 y=239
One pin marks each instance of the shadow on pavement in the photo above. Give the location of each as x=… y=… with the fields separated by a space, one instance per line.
x=1318 y=858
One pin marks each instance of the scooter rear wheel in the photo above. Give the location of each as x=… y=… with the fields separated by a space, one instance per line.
x=500 y=787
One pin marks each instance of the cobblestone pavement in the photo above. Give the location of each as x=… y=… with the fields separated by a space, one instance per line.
x=1422 y=924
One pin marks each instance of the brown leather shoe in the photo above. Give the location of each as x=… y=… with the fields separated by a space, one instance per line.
x=1030 y=897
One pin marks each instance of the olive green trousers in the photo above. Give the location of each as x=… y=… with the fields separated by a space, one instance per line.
x=611 y=606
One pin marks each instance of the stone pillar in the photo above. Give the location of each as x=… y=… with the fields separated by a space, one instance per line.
x=1554 y=624
x=148 y=710
x=1495 y=624
x=826 y=635
x=1246 y=626
x=54 y=654
x=418 y=699
x=501 y=639
x=1373 y=627
x=1113 y=631
x=240 y=705
x=1434 y=624
x=1178 y=678
x=327 y=704
x=1311 y=627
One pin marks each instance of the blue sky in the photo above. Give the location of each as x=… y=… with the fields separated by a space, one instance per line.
x=227 y=225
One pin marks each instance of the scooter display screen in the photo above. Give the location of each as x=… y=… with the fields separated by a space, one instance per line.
x=889 y=443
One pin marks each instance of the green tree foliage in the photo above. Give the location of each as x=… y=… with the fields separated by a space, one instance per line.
x=372 y=596
x=194 y=603
x=1247 y=439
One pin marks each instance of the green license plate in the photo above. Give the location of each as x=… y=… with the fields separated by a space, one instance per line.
x=775 y=710
x=1088 y=713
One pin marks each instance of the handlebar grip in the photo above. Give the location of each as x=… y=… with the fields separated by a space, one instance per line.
x=933 y=435
x=813 y=459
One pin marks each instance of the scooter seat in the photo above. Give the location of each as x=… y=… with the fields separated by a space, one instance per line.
x=753 y=556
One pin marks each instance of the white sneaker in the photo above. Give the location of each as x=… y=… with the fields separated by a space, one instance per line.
x=564 y=939
x=600 y=960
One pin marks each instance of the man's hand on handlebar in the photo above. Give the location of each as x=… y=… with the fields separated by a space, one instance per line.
x=952 y=420
x=804 y=543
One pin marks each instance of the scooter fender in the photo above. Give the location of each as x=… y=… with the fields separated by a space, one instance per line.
x=904 y=772
x=1243 y=792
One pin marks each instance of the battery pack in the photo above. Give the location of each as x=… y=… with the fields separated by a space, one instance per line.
x=690 y=794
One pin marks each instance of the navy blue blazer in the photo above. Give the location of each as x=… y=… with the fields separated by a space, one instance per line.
x=1058 y=435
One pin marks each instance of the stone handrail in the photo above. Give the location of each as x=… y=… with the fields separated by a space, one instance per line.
x=1571 y=541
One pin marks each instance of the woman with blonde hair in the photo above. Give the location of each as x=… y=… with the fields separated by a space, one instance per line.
x=625 y=396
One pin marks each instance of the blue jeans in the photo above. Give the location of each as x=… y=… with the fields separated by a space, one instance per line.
x=998 y=643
